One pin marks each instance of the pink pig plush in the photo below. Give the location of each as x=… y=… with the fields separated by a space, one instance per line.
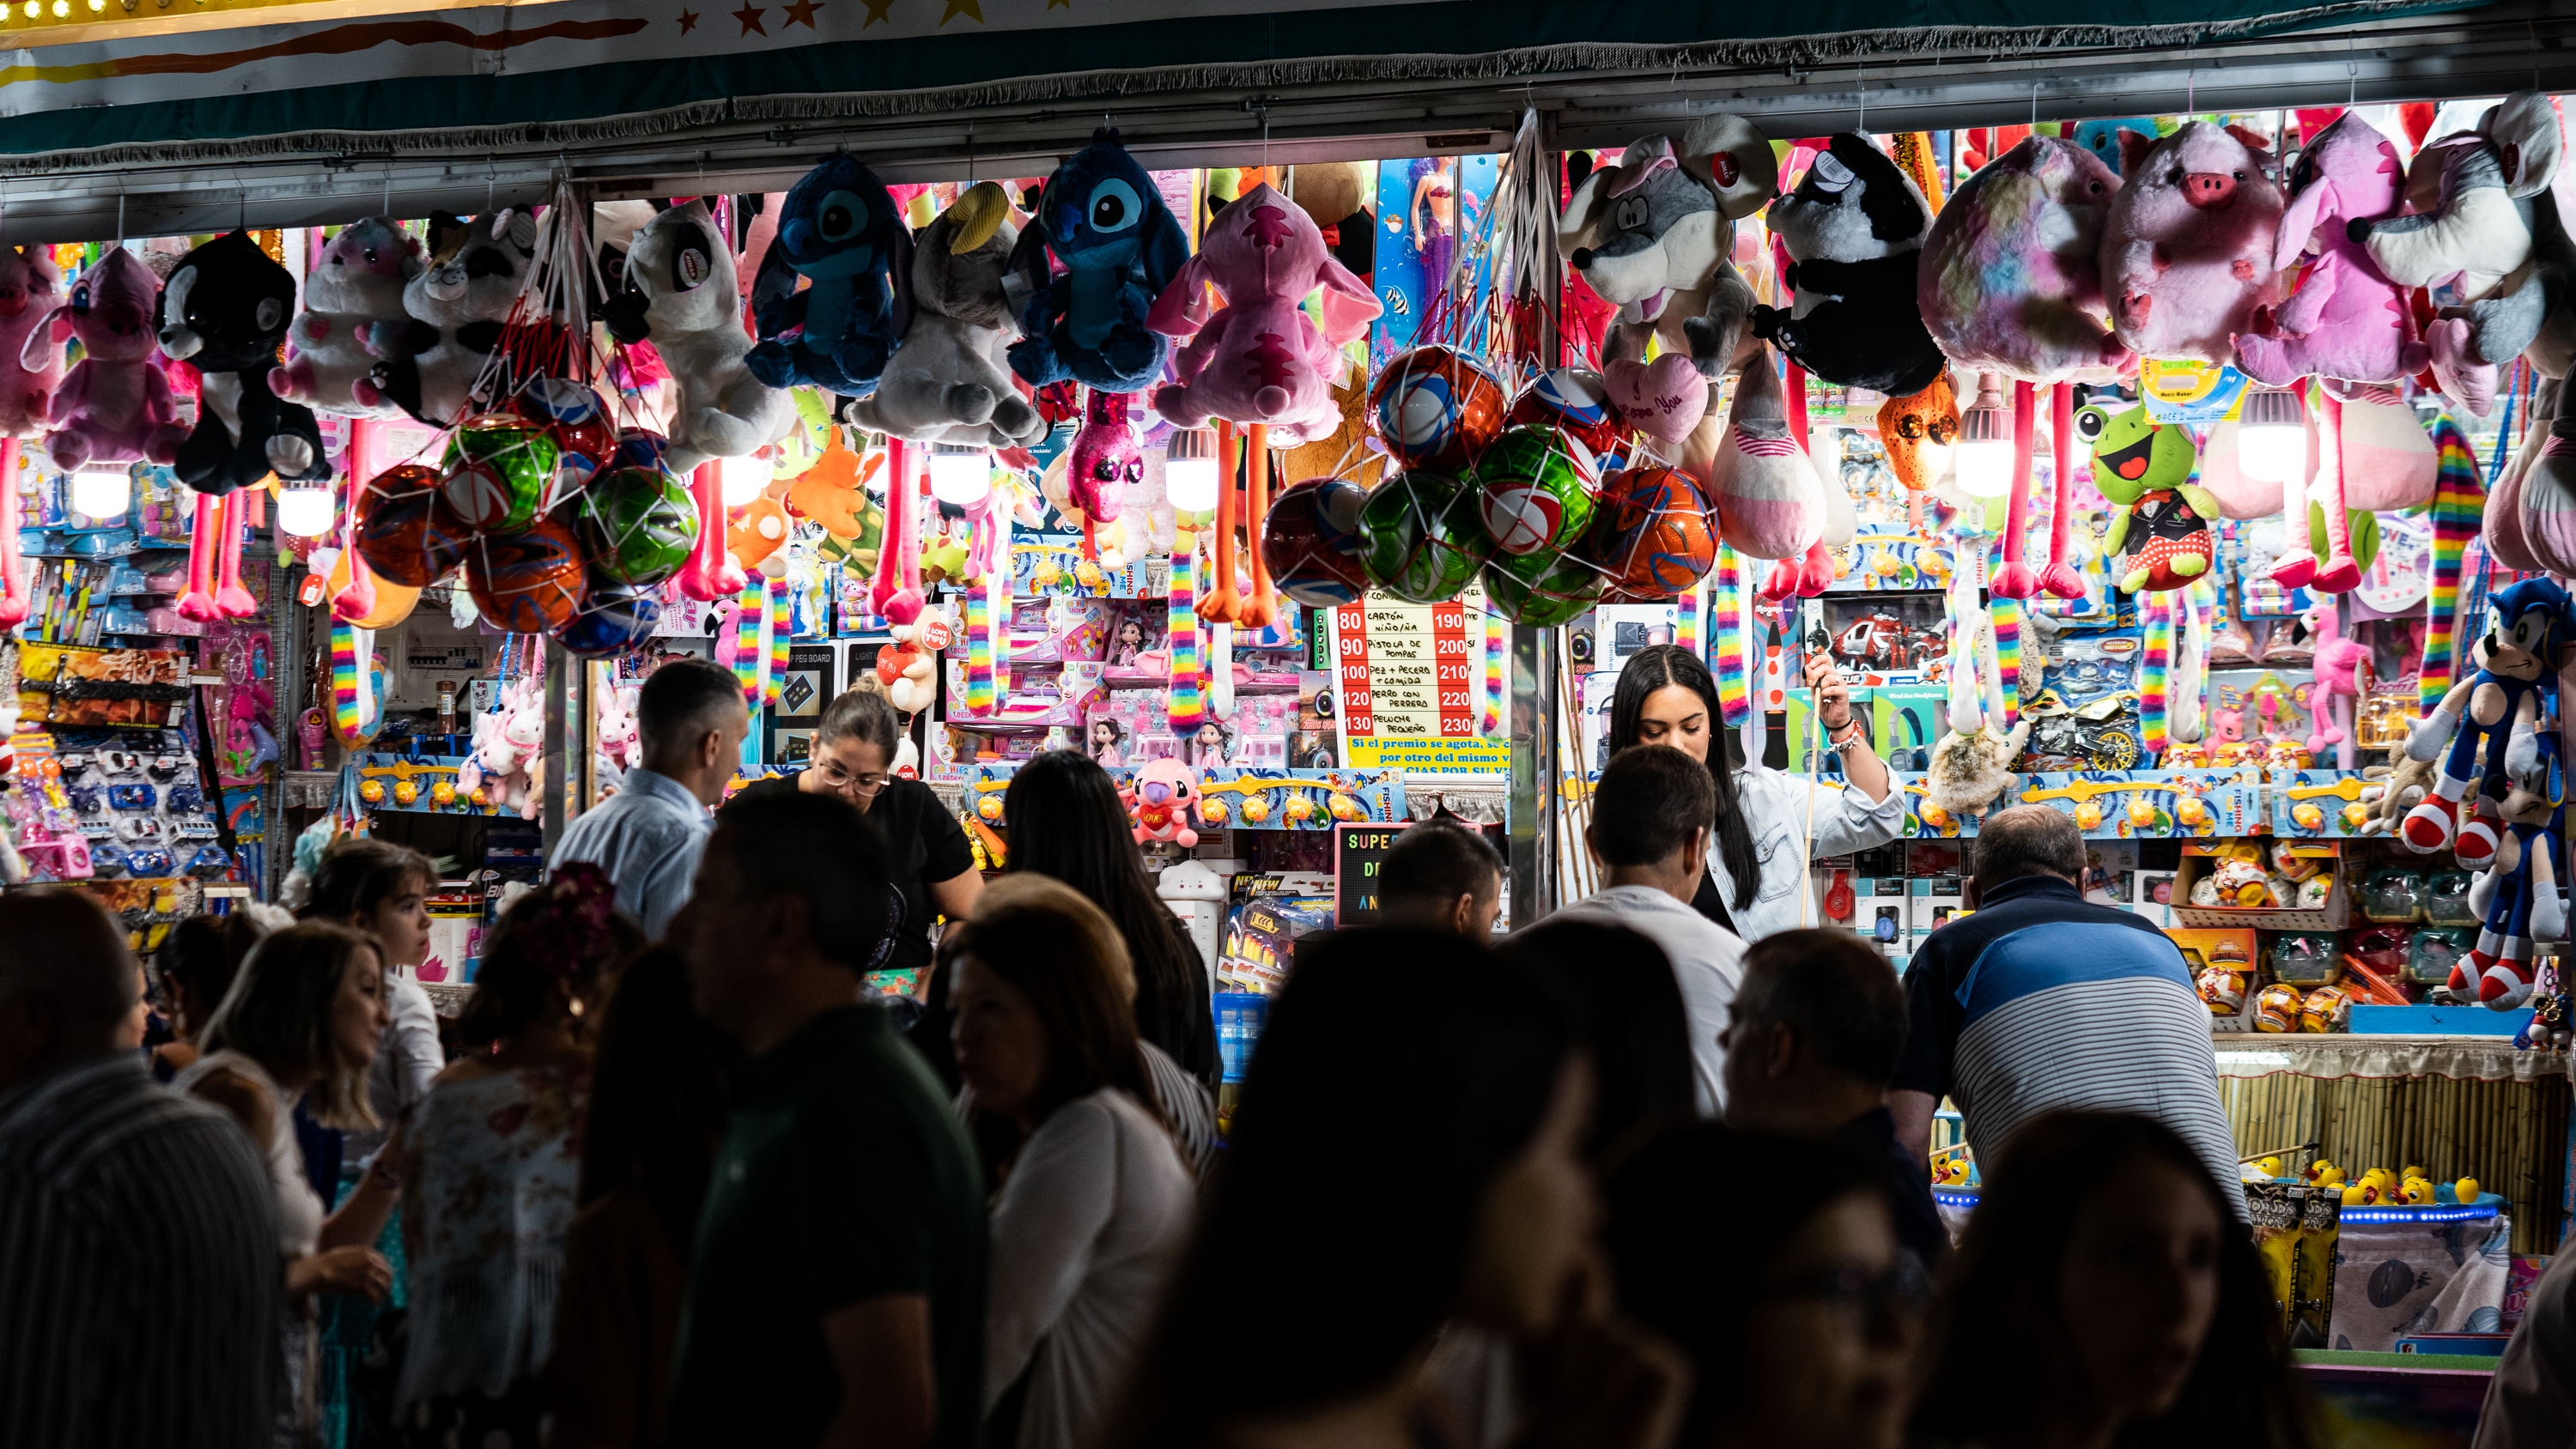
x=29 y=288
x=2011 y=276
x=114 y=405
x=2187 y=252
x=2346 y=320
x=1259 y=359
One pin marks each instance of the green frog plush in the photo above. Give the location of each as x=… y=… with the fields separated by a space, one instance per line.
x=2151 y=472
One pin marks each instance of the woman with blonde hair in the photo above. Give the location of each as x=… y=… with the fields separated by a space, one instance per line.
x=300 y=1022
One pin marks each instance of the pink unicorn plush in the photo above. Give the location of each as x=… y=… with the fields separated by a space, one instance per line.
x=29 y=288
x=1259 y=358
x=2187 y=251
x=114 y=405
x=2347 y=320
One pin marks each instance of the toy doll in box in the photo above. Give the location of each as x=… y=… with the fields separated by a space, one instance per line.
x=1134 y=725
x=1137 y=642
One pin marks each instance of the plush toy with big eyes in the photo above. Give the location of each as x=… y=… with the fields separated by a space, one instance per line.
x=684 y=299
x=114 y=405
x=2147 y=469
x=224 y=310
x=2498 y=709
x=353 y=304
x=1854 y=231
x=2187 y=248
x=1102 y=218
x=456 y=309
x=1655 y=235
x=1919 y=431
x=842 y=235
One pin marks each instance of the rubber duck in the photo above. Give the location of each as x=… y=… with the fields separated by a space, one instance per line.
x=2467 y=1188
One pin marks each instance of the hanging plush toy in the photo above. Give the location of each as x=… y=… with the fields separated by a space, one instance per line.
x=353 y=311
x=2346 y=319
x=30 y=288
x=225 y=311
x=841 y=234
x=2496 y=711
x=1767 y=494
x=2147 y=470
x=2517 y=899
x=950 y=379
x=2011 y=276
x=685 y=302
x=1259 y=358
x=2187 y=248
x=456 y=308
x=1105 y=223
x=1655 y=236
x=1854 y=230
x=1104 y=463
x=1918 y=431
x=114 y=405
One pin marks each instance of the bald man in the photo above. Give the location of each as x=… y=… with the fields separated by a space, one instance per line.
x=137 y=1227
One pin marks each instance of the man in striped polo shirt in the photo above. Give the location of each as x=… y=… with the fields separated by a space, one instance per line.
x=2039 y=1000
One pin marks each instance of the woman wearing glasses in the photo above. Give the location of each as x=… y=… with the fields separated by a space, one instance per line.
x=932 y=867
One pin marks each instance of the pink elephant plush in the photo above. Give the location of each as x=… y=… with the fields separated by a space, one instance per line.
x=114 y=405
x=29 y=288
x=2187 y=251
x=1259 y=358
x=2347 y=319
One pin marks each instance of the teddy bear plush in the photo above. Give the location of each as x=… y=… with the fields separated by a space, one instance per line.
x=1103 y=220
x=30 y=285
x=1655 y=236
x=950 y=380
x=1259 y=358
x=684 y=300
x=2187 y=247
x=224 y=311
x=114 y=405
x=841 y=234
x=456 y=309
x=1854 y=230
x=353 y=307
x=2010 y=279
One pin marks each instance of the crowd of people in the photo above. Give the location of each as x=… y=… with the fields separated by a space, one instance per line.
x=1649 y=1172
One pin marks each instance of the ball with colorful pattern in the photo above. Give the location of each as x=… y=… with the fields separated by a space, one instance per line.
x=1576 y=400
x=2327 y=1009
x=529 y=582
x=637 y=524
x=498 y=468
x=1312 y=542
x=615 y=618
x=1650 y=538
x=1537 y=490
x=1436 y=407
x=640 y=448
x=1542 y=590
x=405 y=530
x=1423 y=538
x=578 y=419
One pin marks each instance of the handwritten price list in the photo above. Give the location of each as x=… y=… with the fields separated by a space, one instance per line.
x=1408 y=671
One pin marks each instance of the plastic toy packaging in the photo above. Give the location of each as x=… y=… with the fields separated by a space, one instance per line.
x=2382 y=948
x=2447 y=899
x=2326 y=1009
x=2435 y=951
x=2277 y=1007
x=2306 y=958
x=2399 y=895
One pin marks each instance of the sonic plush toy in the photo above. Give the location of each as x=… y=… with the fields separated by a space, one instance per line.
x=2502 y=708
x=842 y=233
x=1120 y=246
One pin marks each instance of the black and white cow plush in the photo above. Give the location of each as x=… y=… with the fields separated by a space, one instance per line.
x=1854 y=233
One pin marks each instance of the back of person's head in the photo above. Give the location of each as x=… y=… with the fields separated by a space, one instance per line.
x=862 y=715
x=1628 y=1010
x=1838 y=1000
x=1401 y=1072
x=682 y=703
x=2095 y=1235
x=358 y=873
x=1648 y=803
x=548 y=951
x=1431 y=865
x=282 y=1013
x=2028 y=840
x=199 y=959
x=657 y=1095
x=1066 y=823
x=819 y=850
x=64 y=968
x=1724 y=1241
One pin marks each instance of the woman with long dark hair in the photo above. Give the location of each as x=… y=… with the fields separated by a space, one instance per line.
x=2105 y=1294
x=1757 y=862
x=1065 y=821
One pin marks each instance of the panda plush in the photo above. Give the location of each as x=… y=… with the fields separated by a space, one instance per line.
x=1854 y=231
x=456 y=309
x=224 y=312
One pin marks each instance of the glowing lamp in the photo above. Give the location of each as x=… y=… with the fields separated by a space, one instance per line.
x=1189 y=471
x=740 y=480
x=959 y=474
x=1985 y=455
x=2272 y=435
x=304 y=512
x=102 y=492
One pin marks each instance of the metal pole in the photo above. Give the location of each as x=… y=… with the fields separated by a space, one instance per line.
x=1532 y=826
x=566 y=751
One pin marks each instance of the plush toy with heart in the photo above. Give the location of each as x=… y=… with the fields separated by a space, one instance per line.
x=686 y=303
x=1854 y=231
x=2187 y=249
x=841 y=235
x=224 y=311
x=950 y=380
x=353 y=297
x=1103 y=220
x=2346 y=320
x=1655 y=236
x=1664 y=399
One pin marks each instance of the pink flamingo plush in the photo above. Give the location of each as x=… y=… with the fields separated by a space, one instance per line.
x=1260 y=358
x=2343 y=671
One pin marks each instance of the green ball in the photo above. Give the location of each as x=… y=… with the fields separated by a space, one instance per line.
x=497 y=470
x=637 y=524
x=1542 y=590
x=1538 y=487
x=1422 y=540
x=2361 y=524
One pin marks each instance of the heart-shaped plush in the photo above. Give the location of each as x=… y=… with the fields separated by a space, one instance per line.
x=1664 y=399
x=893 y=661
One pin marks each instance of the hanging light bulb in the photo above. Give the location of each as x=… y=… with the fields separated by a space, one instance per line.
x=740 y=480
x=304 y=512
x=1189 y=471
x=2272 y=435
x=1985 y=454
x=959 y=474
x=103 y=491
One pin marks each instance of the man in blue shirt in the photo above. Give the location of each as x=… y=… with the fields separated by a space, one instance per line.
x=2040 y=1000
x=691 y=721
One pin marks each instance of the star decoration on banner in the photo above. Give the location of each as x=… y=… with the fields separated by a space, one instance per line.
x=688 y=21
x=749 y=15
x=802 y=12
x=876 y=11
x=972 y=9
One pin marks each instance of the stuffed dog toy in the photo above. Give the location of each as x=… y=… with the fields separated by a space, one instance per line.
x=949 y=380
x=114 y=405
x=2346 y=319
x=456 y=308
x=1259 y=358
x=839 y=231
x=353 y=305
x=30 y=286
x=2187 y=248
x=1853 y=229
x=2011 y=274
x=225 y=312
x=1655 y=235
x=684 y=299
x=1103 y=219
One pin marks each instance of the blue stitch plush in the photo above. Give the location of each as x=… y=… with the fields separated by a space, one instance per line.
x=1102 y=217
x=842 y=233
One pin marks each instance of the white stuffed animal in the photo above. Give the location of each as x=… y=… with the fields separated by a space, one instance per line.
x=1971 y=766
x=353 y=312
x=685 y=301
x=949 y=380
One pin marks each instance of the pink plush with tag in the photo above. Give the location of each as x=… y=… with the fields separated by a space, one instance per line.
x=2346 y=320
x=1664 y=399
x=1259 y=358
x=2187 y=251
